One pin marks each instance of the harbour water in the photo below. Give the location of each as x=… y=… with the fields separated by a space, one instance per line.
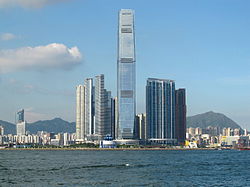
x=124 y=168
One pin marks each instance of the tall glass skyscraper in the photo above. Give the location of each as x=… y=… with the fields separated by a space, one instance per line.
x=126 y=75
x=160 y=110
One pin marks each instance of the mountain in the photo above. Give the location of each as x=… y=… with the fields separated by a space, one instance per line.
x=211 y=119
x=9 y=128
x=56 y=125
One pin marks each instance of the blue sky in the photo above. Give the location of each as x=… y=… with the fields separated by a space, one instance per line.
x=46 y=49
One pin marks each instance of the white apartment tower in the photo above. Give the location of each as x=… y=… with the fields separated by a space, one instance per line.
x=80 y=112
x=93 y=110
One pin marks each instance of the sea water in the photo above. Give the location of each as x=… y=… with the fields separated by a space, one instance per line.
x=124 y=168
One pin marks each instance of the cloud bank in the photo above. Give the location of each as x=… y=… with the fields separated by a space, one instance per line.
x=27 y=3
x=7 y=36
x=40 y=58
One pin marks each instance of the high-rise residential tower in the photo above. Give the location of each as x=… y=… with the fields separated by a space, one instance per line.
x=93 y=110
x=113 y=116
x=21 y=125
x=80 y=112
x=126 y=75
x=160 y=110
x=140 y=126
x=102 y=108
x=89 y=106
x=1 y=130
x=116 y=118
x=180 y=114
x=109 y=110
x=20 y=115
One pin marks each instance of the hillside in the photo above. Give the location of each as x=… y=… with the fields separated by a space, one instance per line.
x=211 y=119
x=55 y=125
x=9 y=128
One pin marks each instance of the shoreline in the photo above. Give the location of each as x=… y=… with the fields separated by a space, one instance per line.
x=112 y=149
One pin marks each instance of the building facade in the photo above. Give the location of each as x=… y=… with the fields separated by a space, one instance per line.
x=180 y=114
x=21 y=124
x=141 y=127
x=80 y=113
x=89 y=106
x=116 y=118
x=20 y=115
x=160 y=110
x=102 y=108
x=1 y=130
x=20 y=128
x=93 y=110
x=109 y=114
x=126 y=91
x=113 y=117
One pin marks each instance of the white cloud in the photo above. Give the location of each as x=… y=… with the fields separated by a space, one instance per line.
x=40 y=58
x=7 y=36
x=27 y=3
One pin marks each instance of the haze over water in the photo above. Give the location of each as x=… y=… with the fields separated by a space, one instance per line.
x=124 y=168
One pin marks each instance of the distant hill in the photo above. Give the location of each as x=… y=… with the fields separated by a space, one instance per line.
x=211 y=119
x=58 y=125
x=55 y=125
x=9 y=128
